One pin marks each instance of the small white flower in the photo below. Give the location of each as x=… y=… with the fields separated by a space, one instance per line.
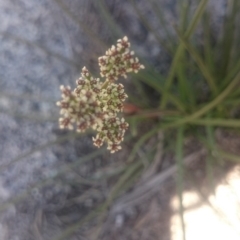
x=95 y=104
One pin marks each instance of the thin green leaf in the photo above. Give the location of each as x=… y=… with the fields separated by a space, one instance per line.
x=202 y=111
x=228 y=37
x=180 y=178
x=217 y=122
x=154 y=82
x=209 y=159
x=180 y=50
x=205 y=71
x=186 y=96
x=208 y=46
x=184 y=12
x=228 y=156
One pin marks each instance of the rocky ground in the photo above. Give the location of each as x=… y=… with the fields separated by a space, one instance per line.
x=42 y=47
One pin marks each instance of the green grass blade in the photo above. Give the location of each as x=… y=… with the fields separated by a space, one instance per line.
x=231 y=73
x=217 y=122
x=181 y=74
x=209 y=160
x=202 y=66
x=154 y=83
x=207 y=107
x=180 y=176
x=208 y=46
x=142 y=98
x=180 y=51
x=228 y=37
x=202 y=111
x=234 y=52
x=197 y=15
x=184 y=12
x=186 y=96
x=228 y=156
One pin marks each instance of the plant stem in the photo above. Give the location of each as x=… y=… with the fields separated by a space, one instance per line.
x=207 y=107
x=180 y=174
x=180 y=50
x=232 y=123
x=205 y=71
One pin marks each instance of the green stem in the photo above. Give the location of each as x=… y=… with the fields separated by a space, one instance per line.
x=153 y=114
x=232 y=123
x=149 y=80
x=180 y=178
x=228 y=156
x=207 y=107
x=206 y=73
x=180 y=50
x=193 y=118
x=209 y=159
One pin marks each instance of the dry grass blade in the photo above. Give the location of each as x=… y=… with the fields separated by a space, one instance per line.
x=45 y=182
x=151 y=171
x=151 y=186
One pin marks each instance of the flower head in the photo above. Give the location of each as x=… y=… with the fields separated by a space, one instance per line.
x=112 y=131
x=112 y=98
x=118 y=61
x=95 y=104
x=81 y=106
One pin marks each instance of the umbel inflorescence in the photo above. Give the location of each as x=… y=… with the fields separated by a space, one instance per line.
x=97 y=104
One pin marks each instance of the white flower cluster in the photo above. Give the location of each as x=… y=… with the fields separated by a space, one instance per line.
x=95 y=104
x=81 y=106
x=118 y=61
x=112 y=98
x=112 y=131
